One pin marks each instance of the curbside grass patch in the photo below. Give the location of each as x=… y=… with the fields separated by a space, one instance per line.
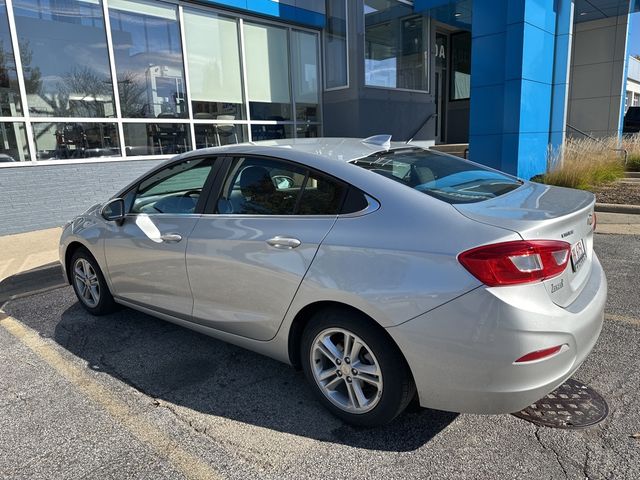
x=584 y=164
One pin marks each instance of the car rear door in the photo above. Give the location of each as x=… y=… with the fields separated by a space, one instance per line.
x=146 y=254
x=249 y=252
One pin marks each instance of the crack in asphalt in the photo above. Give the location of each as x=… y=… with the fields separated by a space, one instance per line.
x=553 y=450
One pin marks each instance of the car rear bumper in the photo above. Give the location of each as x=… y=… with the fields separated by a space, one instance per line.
x=462 y=354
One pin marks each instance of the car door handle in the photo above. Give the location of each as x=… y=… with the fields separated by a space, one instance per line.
x=171 y=237
x=285 y=243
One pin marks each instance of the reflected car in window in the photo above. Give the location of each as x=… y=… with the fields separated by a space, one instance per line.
x=383 y=270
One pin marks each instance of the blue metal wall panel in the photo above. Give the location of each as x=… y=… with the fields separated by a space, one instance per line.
x=517 y=55
x=278 y=10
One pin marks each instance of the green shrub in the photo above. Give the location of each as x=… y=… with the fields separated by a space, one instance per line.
x=633 y=162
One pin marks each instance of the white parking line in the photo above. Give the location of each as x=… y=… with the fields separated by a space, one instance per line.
x=191 y=466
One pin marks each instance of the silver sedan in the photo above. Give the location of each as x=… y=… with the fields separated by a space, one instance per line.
x=385 y=271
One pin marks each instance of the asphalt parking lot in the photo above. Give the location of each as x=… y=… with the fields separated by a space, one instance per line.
x=127 y=396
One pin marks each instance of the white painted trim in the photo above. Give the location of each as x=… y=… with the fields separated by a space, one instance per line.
x=13 y=33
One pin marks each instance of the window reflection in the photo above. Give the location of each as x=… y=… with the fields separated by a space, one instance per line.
x=56 y=141
x=335 y=44
x=156 y=138
x=304 y=67
x=213 y=56
x=271 y=132
x=214 y=135
x=395 y=46
x=307 y=131
x=64 y=55
x=148 y=56
x=267 y=72
x=10 y=105
x=461 y=66
x=13 y=143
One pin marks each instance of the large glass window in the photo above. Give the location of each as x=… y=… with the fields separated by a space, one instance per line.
x=217 y=134
x=13 y=143
x=10 y=105
x=271 y=132
x=148 y=56
x=64 y=56
x=335 y=45
x=156 y=138
x=266 y=51
x=59 y=141
x=304 y=66
x=396 y=46
x=213 y=56
x=245 y=80
x=461 y=66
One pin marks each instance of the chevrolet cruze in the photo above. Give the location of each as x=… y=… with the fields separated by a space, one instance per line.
x=385 y=271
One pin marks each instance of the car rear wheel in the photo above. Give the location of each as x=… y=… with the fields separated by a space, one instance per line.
x=89 y=284
x=354 y=368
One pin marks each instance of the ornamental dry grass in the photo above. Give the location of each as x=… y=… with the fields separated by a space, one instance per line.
x=632 y=144
x=585 y=164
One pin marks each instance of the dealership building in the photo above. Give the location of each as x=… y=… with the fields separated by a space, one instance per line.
x=95 y=92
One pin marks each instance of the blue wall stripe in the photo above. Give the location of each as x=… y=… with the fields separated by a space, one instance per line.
x=277 y=10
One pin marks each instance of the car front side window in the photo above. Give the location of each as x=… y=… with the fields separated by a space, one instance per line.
x=175 y=189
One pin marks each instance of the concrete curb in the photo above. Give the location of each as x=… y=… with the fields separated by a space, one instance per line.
x=632 y=174
x=32 y=281
x=615 y=208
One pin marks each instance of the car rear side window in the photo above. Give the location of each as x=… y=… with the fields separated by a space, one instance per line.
x=444 y=177
x=321 y=196
x=265 y=186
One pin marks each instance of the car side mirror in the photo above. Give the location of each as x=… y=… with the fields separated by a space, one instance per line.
x=113 y=211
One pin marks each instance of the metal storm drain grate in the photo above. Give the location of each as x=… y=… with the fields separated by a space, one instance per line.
x=571 y=405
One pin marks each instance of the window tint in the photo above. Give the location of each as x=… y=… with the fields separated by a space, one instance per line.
x=321 y=196
x=354 y=202
x=259 y=186
x=443 y=177
x=174 y=189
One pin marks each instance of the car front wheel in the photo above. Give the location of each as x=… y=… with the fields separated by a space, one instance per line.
x=355 y=369
x=89 y=284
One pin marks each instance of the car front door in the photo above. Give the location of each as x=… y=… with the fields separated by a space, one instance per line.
x=146 y=254
x=249 y=252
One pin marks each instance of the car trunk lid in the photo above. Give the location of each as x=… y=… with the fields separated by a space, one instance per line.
x=544 y=212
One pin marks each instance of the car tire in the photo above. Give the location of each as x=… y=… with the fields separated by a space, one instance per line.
x=89 y=284
x=382 y=396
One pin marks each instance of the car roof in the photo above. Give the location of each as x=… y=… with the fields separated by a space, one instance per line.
x=334 y=148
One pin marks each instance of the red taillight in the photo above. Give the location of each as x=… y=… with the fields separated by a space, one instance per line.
x=539 y=354
x=513 y=263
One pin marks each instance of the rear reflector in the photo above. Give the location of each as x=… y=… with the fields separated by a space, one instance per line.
x=539 y=354
x=518 y=262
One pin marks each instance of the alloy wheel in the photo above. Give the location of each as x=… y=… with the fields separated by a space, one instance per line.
x=346 y=370
x=86 y=282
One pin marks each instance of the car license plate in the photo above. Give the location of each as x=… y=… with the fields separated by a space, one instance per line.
x=578 y=255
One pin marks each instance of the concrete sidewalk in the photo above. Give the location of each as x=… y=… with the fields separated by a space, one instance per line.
x=26 y=251
x=29 y=262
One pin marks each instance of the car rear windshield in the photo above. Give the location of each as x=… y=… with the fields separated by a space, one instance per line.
x=444 y=177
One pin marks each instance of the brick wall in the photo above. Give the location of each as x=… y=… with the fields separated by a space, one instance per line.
x=45 y=196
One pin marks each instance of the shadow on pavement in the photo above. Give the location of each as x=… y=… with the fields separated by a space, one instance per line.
x=183 y=367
